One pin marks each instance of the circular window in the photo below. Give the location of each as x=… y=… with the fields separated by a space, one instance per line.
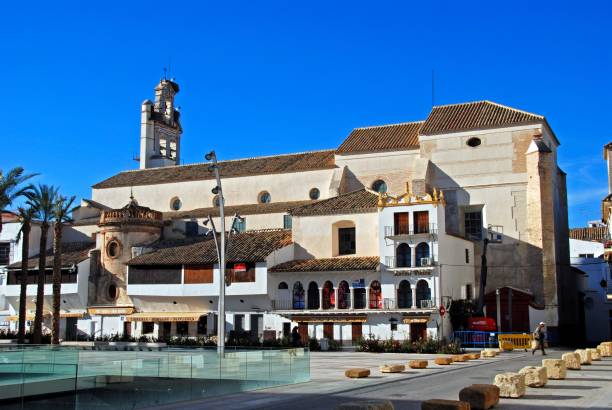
x=314 y=193
x=175 y=204
x=474 y=142
x=264 y=197
x=113 y=249
x=216 y=201
x=113 y=292
x=379 y=186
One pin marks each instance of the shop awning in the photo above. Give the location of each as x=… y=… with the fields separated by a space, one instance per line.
x=165 y=316
x=330 y=318
x=110 y=310
x=30 y=316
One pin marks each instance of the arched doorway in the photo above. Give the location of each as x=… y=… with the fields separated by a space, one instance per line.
x=404 y=295
x=402 y=256
x=344 y=295
x=422 y=251
x=375 y=295
x=298 y=296
x=329 y=297
x=423 y=292
x=313 y=295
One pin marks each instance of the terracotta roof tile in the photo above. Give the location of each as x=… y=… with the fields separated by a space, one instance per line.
x=250 y=246
x=362 y=263
x=474 y=115
x=382 y=138
x=72 y=254
x=243 y=210
x=593 y=234
x=277 y=164
x=360 y=201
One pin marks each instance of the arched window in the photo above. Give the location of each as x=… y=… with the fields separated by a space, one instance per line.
x=402 y=256
x=283 y=296
x=375 y=295
x=313 y=295
x=404 y=295
x=379 y=186
x=298 y=296
x=422 y=292
x=344 y=295
x=329 y=296
x=283 y=285
x=264 y=197
x=422 y=251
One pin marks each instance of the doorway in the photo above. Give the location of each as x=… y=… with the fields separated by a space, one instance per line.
x=418 y=331
x=356 y=332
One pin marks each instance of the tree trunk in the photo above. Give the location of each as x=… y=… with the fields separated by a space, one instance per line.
x=57 y=281
x=40 y=291
x=0 y=220
x=25 y=245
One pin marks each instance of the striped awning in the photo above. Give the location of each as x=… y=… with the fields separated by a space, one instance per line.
x=329 y=318
x=63 y=314
x=165 y=317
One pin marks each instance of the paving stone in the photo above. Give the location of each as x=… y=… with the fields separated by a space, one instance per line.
x=418 y=364
x=535 y=376
x=555 y=368
x=585 y=356
x=510 y=384
x=480 y=396
x=572 y=361
x=367 y=405
x=595 y=356
x=443 y=360
x=439 y=404
x=357 y=373
x=392 y=368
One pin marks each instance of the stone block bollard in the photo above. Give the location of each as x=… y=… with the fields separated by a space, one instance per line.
x=357 y=373
x=480 y=396
x=439 y=404
x=417 y=364
x=392 y=368
x=585 y=356
x=510 y=384
x=595 y=356
x=555 y=368
x=458 y=358
x=367 y=405
x=488 y=353
x=506 y=346
x=535 y=376
x=572 y=361
x=473 y=356
x=606 y=349
x=443 y=360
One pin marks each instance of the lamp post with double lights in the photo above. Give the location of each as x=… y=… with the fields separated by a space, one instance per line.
x=221 y=245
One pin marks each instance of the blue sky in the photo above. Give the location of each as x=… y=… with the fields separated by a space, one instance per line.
x=261 y=78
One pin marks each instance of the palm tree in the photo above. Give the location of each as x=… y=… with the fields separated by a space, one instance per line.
x=62 y=213
x=26 y=215
x=11 y=189
x=43 y=200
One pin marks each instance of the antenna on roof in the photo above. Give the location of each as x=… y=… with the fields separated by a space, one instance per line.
x=169 y=67
x=131 y=194
x=165 y=72
x=433 y=101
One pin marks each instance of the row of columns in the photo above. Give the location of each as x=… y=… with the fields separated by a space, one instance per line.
x=352 y=298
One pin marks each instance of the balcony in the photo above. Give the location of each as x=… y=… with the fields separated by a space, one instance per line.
x=398 y=231
x=420 y=263
x=386 y=304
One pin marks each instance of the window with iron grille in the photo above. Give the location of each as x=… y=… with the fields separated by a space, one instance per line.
x=473 y=225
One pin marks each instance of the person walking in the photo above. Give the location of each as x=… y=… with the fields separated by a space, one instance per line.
x=295 y=337
x=538 y=339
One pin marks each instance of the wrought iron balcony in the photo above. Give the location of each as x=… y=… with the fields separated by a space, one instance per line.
x=392 y=263
x=403 y=230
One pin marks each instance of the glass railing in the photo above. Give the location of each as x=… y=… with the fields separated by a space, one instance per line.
x=74 y=378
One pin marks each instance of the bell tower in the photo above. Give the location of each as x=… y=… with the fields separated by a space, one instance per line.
x=160 y=128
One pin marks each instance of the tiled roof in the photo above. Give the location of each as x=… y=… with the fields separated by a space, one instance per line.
x=593 y=234
x=248 y=209
x=362 y=263
x=277 y=164
x=360 y=201
x=382 y=138
x=250 y=246
x=474 y=115
x=72 y=254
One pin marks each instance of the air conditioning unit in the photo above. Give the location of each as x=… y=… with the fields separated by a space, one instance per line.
x=426 y=261
x=495 y=233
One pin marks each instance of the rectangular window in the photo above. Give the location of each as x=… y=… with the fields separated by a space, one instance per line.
x=468 y=292
x=182 y=328
x=240 y=224
x=421 y=222
x=241 y=272
x=473 y=225
x=198 y=274
x=191 y=228
x=147 y=327
x=586 y=255
x=287 y=223
x=467 y=256
x=346 y=241
x=400 y=223
x=238 y=323
x=5 y=253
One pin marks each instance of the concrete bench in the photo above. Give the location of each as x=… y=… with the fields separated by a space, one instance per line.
x=595 y=356
x=367 y=405
x=480 y=396
x=392 y=368
x=535 y=376
x=510 y=384
x=572 y=361
x=357 y=373
x=555 y=368
x=418 y=364
x=439 y=404
x=443 y=360
x=585 y=356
